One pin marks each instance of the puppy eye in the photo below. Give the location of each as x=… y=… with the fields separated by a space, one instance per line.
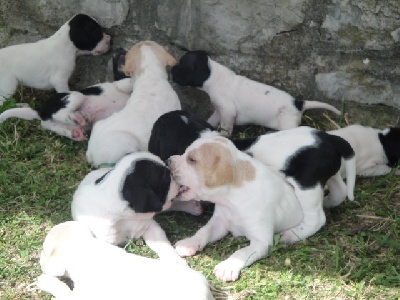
x=191 y=159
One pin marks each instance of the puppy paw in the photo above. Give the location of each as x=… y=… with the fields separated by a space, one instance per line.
x=78 y=119
x=228 y=270
x=77 y=134
x=187 y=247
x=191 y=207
x=289 y=237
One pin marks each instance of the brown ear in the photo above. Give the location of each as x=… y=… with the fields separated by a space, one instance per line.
x=132 y=60
x=169 y=59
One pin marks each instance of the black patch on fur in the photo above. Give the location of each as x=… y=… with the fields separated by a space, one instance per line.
x=52 y=105
x=315 y=164
x=192 y=69
x=391 y=145
x=85 y=33
x=146 y=186
x=299 y=104
x=245 y=143
x=171 y=134
x=92 y=91
x=100 y=179
x=118 y=61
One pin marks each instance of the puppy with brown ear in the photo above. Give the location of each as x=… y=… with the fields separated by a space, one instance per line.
x=103 y=271
x=250 y=200
x=129 y=129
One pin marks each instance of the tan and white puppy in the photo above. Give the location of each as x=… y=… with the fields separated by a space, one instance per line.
x=129 y=129
x=238 y=100
x=377 y=151
x=250 y=200
x=103 y=271
x=118 y=204
x=50 y=62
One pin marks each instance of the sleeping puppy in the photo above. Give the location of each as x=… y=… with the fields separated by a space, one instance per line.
x=129 y=129
x=250 y=200
x=239 y=100
x=309 y=159
x=377 y=151
x=70 y=114
x=50 y=62
x=119 y=204
x=103 y=271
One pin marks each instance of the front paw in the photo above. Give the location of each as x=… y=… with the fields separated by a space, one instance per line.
x=289 y=237
x=77 y=134
x=228 y=270
x=187 y=247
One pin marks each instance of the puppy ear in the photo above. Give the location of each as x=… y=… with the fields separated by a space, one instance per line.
x=146 y=186
x=169 y=59
x=51 y=261
x=132 y=60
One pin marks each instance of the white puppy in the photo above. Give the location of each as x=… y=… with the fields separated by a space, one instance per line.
x=103 y=271
x=129 y=129
x=250 y=200
x=50 y=62
x=309 y=159
x=239 y=100
x=118 y=204
x=71 y=114
x=377 y=151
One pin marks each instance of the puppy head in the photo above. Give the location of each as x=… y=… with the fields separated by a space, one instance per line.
x=192 y=69
x=87 y=35
x=390 y=139
x=134 y=56
x=57 y=245
x=148 y=186
x=209 y=164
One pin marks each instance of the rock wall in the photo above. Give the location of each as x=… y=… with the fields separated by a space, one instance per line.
x=314 y=49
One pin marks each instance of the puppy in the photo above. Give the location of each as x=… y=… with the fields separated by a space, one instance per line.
x=50 y=62
x=103 y=271
x=129 y=129
x=118 y=204
x=309 y=159
x=250 y=200
x=70 y=114
x=377 y=151
x=239 y=100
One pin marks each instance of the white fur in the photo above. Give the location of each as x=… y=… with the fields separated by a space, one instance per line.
x=255 y=209
x=275 y=150
x=238 y=101
x=81 y=110
x=101 y=208
x=103 y=271
x=371 y=159
x=129 y=129
x=45 y=64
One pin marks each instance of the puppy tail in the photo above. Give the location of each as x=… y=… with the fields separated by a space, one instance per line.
x=25 y=113
x=305 y=105
x=349 y=157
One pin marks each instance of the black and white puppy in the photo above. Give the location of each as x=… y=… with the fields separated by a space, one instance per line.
x=118 y=204
x=239 y=100
x=71 y=114
x=49 y=63
x=377 y=151
x=99 y=270
x=309 y=159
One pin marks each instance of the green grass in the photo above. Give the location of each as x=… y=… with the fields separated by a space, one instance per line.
x=356 y=255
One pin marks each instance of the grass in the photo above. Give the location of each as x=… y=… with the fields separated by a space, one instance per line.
x=355 y=256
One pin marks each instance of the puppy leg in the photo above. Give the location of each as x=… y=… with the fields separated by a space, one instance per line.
x=215 y=118
x=8 y=85
x=60 y=82
x=192 y=207
x=73 y=132
x=378 y=170
x=156 y=239
x=229 y=269
x=337 y=191
x=69 y=114
x=211 y=232
x=288 y=120
x=54 y=286
x=228 y=116
x=314 y=215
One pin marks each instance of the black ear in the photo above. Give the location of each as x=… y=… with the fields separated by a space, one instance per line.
x=390 y=141
x=146 y=186
x=52 y=105
x=85 y=33
x=192 y=70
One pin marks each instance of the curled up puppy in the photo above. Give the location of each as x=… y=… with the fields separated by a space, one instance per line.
x=99 y=270
x=49 y=63
x=118 y=204
x=239 y=100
